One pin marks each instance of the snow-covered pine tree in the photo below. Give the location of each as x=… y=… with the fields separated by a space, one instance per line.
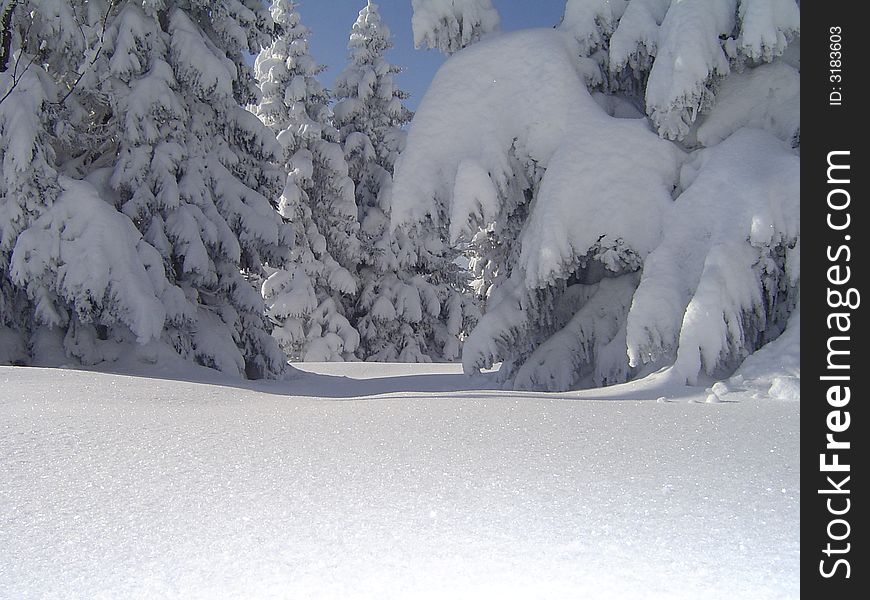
x=606 y=251
x=369 y=115
x=28 y=117
x=163 y=211
x=369 y=112
x=429 y=269
x=410 y=306
x=28 y=186
x=196 y=172
x=451 y=25
x=310 y=298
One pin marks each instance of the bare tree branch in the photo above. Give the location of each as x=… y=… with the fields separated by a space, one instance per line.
x=94 y=57
x=8 y=6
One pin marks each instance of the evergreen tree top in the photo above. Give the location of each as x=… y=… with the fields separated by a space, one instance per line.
x=370 y=36
x=285 y=13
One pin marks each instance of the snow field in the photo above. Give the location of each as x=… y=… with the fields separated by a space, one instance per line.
x=390 y=481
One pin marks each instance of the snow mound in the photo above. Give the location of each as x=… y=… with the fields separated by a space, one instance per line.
x=785 y=388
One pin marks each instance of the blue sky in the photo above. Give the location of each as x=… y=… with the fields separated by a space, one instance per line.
x=330 y=22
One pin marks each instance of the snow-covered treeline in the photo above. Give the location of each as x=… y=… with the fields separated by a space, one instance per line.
x=161 y=197
x=627 y=185
x=353 y=289
x=623 y=188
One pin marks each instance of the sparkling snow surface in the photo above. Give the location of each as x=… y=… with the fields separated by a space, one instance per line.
x=362 y=481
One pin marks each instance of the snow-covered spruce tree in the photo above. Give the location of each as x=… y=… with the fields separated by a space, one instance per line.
x=163 y=213
x=196 y=172
x=398 y=306
x=28 y=117
x=606 y=251
x=369 y=112
x=431 y=299
x=451 y=25
x=310 y=298
x=28 y=187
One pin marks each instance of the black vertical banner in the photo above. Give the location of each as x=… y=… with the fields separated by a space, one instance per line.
x=834 y=170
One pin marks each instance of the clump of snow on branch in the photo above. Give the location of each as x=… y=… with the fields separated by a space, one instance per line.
x=766 y=26
x=451 y=25
x=83 y=254
x=619 y=200
x=671 y=56
x=766 y=97
x=591 y=22
x=634 y=43
x=689 y=57
x=725 y=278
x=479 y=112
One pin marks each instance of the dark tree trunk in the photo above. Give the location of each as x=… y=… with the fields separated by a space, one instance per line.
x=6 y=9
